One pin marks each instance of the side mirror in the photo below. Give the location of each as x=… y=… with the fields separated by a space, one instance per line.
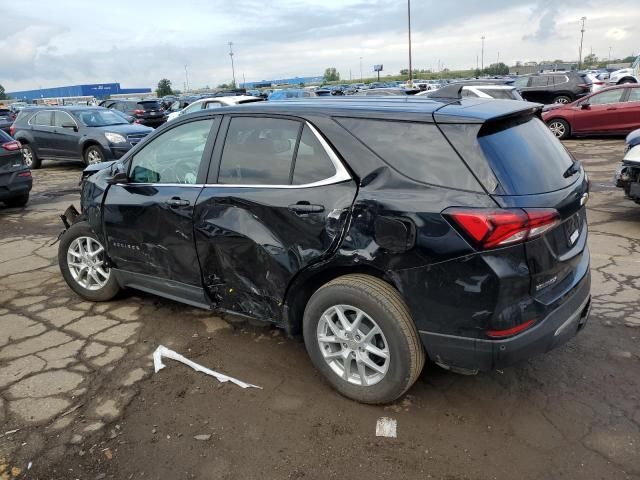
x=70 y=125
x=118 y=177
x=585 y=106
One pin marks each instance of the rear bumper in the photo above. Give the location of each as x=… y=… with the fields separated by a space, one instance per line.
x=11 y=185
x=470 y=355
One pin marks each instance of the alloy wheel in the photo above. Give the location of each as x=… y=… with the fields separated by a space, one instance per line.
x=558 y=129
x=86 y=261
x=353 y=345
x=94 y=157
x=562 y=100
x=27 y=154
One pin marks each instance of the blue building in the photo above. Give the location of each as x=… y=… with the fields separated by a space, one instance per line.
x=98 y=90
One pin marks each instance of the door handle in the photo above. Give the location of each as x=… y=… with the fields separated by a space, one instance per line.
x=304 y=208
x=176 y=202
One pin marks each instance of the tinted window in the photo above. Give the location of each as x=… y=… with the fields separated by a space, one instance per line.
x=258 y=151
x=634 y=95
x=312 y=161
x=59 y=118
x=174 y=156
x=42 y=118
x=558 y=79
x=526 y=157
x=417 y=150
x=541 y=81
x=604 y=98
x=153 y=105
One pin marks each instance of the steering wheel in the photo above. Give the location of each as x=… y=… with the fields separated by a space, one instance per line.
x=185 y=171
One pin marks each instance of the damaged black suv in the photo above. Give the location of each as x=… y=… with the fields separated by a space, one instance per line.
x=384 y=230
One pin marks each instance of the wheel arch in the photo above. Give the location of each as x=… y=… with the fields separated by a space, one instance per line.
x=306 y=283
x=627 y=79
x=90 y=142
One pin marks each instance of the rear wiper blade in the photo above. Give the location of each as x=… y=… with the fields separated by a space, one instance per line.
x=573 y=169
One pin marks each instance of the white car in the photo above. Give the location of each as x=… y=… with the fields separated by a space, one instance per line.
x=213 y=102
x=504 y=92
x=626 y=75
x=597 y=83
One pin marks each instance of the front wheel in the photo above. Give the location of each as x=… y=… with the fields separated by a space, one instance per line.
x=361 y=337
x=93 y=155
x=82 y=261
x=560 y=128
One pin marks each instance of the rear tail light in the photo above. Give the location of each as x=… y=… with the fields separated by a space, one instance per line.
x=493 y=228
x=138 y=112
x=584 y=86
x=12 y=130
x=25 y=174
x=12 y=146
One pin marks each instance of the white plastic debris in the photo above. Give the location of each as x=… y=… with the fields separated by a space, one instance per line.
x=386 y=427
x=163 y=351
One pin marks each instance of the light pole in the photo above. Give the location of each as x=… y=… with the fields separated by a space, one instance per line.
x=360 y=69
x=186 y=76
x=410 y=83
x=581 y=39
x=233 y=69
x=482 y=56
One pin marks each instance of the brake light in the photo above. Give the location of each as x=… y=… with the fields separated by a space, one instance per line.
x=584 y=86
x=12 y=146
x=509 y=332
x=492 y=228
x=138 y=112
x=12 y=130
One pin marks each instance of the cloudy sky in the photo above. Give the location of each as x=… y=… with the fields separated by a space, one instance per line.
x=46 y=43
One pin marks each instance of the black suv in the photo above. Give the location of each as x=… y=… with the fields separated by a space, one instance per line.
x=557 y=87
x=146 y=112
x=92 y=134
x=384 y=230
x=15 y=176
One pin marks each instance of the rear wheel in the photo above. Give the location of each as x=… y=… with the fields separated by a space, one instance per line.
x=360 y=335
x=626 y=80
x=93 y=154
x=31 y=159
x=20 y=201
x=82 y=261
x=563 y=99
x=560 y=128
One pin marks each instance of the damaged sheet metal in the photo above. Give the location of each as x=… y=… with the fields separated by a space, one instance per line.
x=163 y=351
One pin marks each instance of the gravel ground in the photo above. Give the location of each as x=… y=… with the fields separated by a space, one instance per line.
x=78 y=397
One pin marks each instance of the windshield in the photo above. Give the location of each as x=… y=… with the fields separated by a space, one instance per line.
x=100 y=118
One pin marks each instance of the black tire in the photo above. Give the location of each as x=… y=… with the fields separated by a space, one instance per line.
x=20 y=201
x=563 y=99
x=30 y=156
x=91 y=155
x=625 y=81
x=383 y=303
x=560 y=128
x=111 y=287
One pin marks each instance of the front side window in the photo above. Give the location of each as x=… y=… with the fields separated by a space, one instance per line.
x=62 y=118
x=173 y=157
x=43 y=119
x=258 y=151
x=521 y=82
x=604 y=98
x=194 y=107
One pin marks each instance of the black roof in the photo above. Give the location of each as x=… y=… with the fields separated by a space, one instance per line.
x=465 y=110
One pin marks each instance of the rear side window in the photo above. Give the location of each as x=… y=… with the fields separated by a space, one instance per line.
x=526 y=157
x=42 y=119
x=540 y=81
x=416 y=150
x=558 y=79
x=501 y=93
x=312 y=162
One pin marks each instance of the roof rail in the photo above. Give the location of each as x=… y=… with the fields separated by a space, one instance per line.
x=448 y=91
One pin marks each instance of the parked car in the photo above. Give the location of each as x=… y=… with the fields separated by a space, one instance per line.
x=216 y=102
x=290 y=93
x=626 y=75
x=15 y=176
x=627 y=175
x=327 y=218
x=596 y=83
x=480 y=89
x=90 y=134
x=557 y=87
x=612 y=111
x=148 y=112
x=7 y=117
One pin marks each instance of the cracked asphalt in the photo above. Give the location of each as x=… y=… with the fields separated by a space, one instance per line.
x=79 y=399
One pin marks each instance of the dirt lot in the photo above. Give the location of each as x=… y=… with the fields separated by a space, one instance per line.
x=77 y=381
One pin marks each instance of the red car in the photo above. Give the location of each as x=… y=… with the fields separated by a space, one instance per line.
x=612 y=111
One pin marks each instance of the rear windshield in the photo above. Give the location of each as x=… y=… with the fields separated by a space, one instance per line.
x=152 y=105
x=526 y=157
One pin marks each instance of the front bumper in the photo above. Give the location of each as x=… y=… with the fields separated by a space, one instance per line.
x=12 y=185
x=469 y=355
